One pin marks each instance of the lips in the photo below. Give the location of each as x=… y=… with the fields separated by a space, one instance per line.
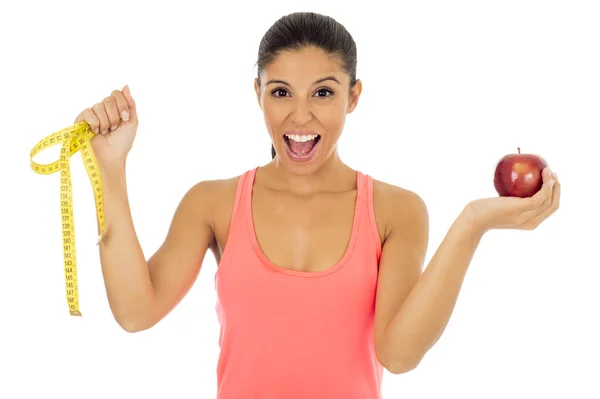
x=301 y=145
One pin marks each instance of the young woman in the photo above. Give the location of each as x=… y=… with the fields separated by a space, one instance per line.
x=319 y=280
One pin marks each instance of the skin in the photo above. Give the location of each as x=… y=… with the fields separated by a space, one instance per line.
x=302 y=104
x=293 y=205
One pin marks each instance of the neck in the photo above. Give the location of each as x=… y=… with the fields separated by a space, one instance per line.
x=331 y=176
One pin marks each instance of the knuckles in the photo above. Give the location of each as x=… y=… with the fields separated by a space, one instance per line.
x=90 y=118
x=110 y=100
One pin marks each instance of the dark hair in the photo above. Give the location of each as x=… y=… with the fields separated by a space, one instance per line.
x=304 y=29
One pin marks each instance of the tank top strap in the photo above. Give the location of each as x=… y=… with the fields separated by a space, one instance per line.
x=362 y=188
x=248 y=184
x=365 y=193
x=244 y=188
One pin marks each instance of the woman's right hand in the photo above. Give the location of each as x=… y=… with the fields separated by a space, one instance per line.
x=115 y=121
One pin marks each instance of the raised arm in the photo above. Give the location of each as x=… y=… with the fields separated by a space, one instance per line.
x=141 y=292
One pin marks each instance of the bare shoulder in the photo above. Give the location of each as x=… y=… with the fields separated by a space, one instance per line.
x=396 y=206
x=389 y=194
x=214 y=189
x=175 y=265
x=212 y=196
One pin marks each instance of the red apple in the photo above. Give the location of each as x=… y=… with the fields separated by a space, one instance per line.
x=519 y=175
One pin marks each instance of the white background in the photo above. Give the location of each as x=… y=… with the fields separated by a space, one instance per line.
x=449 y=88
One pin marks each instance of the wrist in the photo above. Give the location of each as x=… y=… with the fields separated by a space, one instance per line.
x=113 y=171
x=471 y=223
x=113 y=166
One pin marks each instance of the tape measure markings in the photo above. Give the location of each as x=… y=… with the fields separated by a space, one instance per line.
x=73 y=138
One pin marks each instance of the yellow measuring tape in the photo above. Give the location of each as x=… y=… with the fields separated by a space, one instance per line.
x=74 y=138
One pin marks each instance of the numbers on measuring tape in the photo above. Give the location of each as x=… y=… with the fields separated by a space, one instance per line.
x=74 y=138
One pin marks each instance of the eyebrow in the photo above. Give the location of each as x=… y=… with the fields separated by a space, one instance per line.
x=277 y=81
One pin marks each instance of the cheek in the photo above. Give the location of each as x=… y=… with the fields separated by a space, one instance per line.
x=271 y=122
x=274 y=114
x=332 y=117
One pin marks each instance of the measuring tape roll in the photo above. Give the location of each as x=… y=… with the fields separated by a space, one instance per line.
x=74 y=138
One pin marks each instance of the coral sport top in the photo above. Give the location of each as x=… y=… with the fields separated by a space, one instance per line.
x=298 y=335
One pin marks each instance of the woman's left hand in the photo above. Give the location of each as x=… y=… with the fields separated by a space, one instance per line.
x=513 y=212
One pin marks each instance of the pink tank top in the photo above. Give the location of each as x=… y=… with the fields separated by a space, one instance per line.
x=298 y=335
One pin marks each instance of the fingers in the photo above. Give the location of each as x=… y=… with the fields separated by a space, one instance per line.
x=116 y=108
x=549 y=182
x=107 y=115
x=131 y=104
x=128 y=97
x=102 y=116
x=553 y=206
x=556 y=193
x=549 y=206
x=544 y=195
x=90 y=118
x=122 y=106
x=110 y=104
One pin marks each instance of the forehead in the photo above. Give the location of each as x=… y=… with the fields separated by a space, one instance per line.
x=303 y=66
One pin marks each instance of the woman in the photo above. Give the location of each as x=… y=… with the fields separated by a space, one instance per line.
x=320 y=282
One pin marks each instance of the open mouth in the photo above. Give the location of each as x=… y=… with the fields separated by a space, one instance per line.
x=301 y=148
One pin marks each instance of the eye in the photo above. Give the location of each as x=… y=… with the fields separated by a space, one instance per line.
x=324 y=93
x=280 y=92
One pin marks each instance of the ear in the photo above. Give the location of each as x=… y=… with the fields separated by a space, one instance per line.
x=257 y=90
x=354 y=96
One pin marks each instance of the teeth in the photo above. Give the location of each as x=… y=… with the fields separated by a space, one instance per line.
x=301 y=139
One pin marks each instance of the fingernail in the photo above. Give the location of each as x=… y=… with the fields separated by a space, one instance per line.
x=112 y=128
x=125 y=115
x=104 y=132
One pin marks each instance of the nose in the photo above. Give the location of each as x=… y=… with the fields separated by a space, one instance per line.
x=301 y=114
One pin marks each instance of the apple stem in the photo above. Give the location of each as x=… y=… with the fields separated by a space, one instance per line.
x=519 y=150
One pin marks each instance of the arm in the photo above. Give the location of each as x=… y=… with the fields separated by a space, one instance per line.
x=413 y=309
x=140 y=292
x=420 y=306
